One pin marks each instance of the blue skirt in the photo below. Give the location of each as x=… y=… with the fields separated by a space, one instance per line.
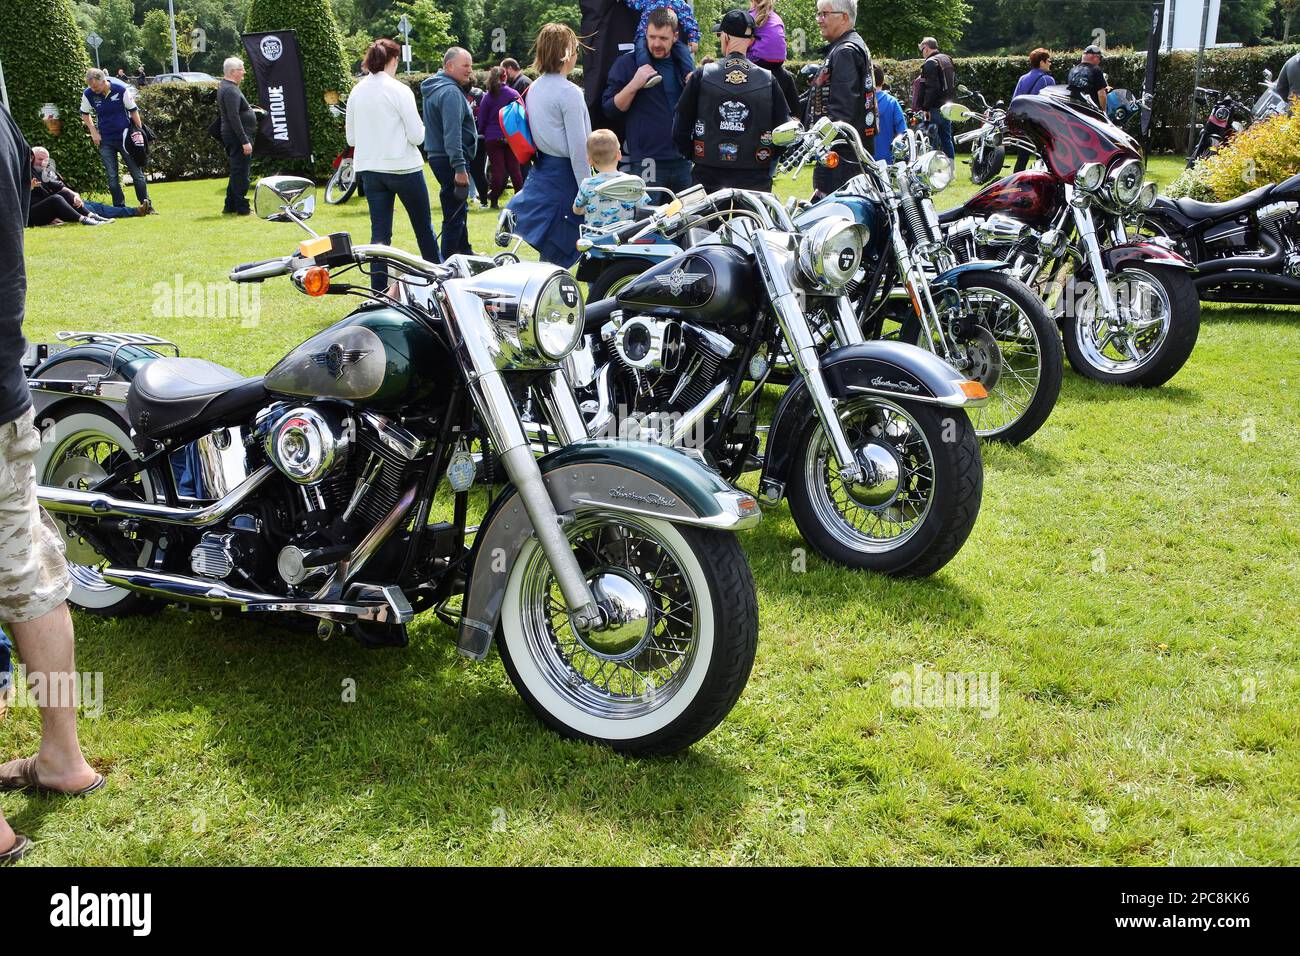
x=543 y=210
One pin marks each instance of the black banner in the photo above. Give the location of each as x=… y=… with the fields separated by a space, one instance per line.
x=277 y=66
x=1153 y=59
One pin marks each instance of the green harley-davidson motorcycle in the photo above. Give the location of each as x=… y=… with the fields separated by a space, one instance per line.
x=607 y=572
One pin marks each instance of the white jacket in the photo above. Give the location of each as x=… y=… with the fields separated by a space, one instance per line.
x=384 y=125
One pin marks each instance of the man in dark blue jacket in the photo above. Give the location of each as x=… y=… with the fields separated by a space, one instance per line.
x=111 y=103
x=644 y=86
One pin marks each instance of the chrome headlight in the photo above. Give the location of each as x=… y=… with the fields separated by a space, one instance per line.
x=935 y=170
x=1147 y=196
x=831 y=252
x=535 y=309
x=1090 y=177
x=1126 y=181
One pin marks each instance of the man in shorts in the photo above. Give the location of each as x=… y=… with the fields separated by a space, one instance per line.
x=34 y=582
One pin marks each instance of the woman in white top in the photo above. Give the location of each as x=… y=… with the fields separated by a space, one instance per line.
x=386 y=131
x=559 y=124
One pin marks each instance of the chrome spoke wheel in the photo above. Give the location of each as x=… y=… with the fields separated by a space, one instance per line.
x=639 y=660
x=1003 y=352
x=890 y=504
x=79 y=460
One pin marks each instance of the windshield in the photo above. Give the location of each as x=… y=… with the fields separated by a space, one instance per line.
x=1069 y=133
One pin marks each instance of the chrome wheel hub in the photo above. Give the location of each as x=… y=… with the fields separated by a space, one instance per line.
x=879 y=476
x=628 y=618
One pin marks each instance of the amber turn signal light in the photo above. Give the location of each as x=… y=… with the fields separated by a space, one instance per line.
x=316 y=281
x=832 y=160
x=972 y=389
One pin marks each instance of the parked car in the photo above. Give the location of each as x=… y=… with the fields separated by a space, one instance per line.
x=184 y=77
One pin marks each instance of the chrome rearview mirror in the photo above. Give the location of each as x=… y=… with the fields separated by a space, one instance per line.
x=624 y=187
x=285 y=199
x=957 y=112
x=787 y=133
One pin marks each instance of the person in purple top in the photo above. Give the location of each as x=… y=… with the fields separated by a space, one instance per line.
x=769 y=50
x=1038 y=77
x=500 y=156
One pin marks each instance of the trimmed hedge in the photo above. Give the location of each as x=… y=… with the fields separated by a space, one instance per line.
x=45 y=61
x=179 y=113
x=324 y=67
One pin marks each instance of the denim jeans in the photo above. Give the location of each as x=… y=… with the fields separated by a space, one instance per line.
x=108 y=152
x=455 y=212
x=382 y=189
x=105 y=211
x=941 y=134
x=240 y=170
x=6 y=663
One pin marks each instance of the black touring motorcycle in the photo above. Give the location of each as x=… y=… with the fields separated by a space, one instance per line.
x=870 y=443
x=607 y=572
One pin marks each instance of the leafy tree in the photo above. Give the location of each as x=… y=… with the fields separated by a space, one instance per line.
x=890 y=27
x=45 y=61
x=431 y=32
x=1289 y=9
x=155 y=41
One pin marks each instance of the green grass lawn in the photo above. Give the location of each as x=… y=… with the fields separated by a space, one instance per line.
x=1132 y=582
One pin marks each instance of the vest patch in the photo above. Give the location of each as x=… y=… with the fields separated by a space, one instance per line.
x=732 y=115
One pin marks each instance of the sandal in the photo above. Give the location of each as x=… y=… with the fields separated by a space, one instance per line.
x=16 y=852
x=20 y=774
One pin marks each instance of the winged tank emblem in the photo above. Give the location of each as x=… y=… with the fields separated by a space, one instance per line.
x=337 y=360
x=679 y=279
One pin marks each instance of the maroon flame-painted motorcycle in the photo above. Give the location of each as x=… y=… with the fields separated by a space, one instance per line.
x=1128 y=308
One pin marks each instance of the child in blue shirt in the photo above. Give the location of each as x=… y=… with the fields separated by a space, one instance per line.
x=603 y=154
x=689 y=27
x=891 y=119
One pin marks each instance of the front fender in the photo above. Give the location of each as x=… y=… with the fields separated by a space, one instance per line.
x=1115 y=258
x=887 y=369
x=950 y=279
x=594 y=475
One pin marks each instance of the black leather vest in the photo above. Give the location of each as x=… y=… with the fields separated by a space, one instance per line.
x=733 y=122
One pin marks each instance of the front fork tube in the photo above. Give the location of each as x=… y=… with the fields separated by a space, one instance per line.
x=923 y=302
x=807 y=362
x=497 y=406
x=1092 y=249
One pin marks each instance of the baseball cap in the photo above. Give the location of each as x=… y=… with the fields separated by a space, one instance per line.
x=1092 y=49
x=737 y=23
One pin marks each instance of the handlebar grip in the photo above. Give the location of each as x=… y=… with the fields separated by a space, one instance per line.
x=257 y=271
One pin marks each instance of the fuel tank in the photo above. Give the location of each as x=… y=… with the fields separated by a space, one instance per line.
x=716 y=285
x=1030 y=197
x=376 y=357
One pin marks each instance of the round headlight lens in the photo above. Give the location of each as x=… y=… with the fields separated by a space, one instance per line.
x=1147 y=197
x=935 y=170
x=558 y=317
x=1090 y=177
x=1126 y=181
x=831 y=253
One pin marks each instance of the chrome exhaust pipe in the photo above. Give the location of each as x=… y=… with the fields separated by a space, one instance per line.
x=694 y=416
x=209 y=592
x=91 y=504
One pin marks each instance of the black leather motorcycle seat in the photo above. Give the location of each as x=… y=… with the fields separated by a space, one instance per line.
x=1222 y=210
x=169 y=395
x=952 y=215
x=1288 y=189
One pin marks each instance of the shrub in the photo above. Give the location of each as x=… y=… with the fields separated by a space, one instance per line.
x=1266 y=152
x=45 y=61
x=324 y=67
x=179 y=113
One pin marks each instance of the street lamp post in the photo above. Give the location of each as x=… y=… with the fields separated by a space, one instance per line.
x=171 y=26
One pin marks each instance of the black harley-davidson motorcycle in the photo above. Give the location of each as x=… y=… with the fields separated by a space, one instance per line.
x=1228 y=116
x=1246 y=249
x=871 y=443
x=607 y=572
